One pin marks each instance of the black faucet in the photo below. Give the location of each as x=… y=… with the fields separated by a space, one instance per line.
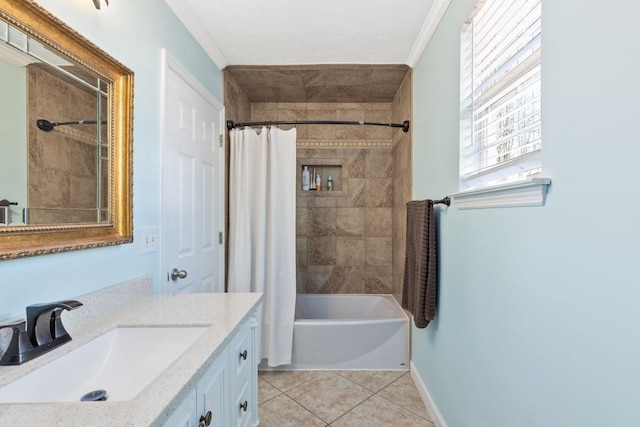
x=43 y=332
x=44 y=323
x=19 y=347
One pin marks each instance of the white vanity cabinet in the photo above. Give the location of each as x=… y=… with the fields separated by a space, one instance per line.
x=208 y=397
x=227 y=393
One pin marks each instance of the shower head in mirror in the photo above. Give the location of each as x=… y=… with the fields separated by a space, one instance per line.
x=47 y=126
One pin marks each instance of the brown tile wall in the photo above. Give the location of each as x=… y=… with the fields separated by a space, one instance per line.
x=237 y=105
x=350 y=240
x=319 y=83
x=344 y=238
x=402 y=179
x=62 y=171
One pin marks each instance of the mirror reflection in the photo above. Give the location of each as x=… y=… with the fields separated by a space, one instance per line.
x=54 y=167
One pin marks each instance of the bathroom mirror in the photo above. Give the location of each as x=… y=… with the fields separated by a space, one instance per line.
x=65 y=138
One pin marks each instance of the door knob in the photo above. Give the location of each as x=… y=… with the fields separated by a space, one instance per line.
x=178 y=274
x=205 y=420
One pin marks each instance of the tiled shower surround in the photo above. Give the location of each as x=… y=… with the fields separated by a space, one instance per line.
x=344 y=237
x=350 y=240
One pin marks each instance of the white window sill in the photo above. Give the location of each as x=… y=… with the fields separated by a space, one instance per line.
x=531 y=192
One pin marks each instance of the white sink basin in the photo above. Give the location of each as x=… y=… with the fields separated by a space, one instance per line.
x=122 y=362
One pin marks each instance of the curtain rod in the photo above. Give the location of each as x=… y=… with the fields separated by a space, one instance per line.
x=232 y=125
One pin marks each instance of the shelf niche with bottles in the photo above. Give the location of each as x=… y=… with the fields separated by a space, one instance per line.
x=334 y=168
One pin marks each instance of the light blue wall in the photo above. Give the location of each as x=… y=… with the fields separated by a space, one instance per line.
x=134 y=32
x=538 y=321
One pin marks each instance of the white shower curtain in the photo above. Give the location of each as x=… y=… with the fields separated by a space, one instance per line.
x=262 y=235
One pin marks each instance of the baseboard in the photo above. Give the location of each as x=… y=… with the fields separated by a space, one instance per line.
x=438 y=420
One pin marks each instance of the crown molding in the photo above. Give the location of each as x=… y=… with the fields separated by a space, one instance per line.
x=193 y=25
x=428 y=28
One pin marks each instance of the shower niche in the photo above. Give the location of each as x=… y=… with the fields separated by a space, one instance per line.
x=325 y=168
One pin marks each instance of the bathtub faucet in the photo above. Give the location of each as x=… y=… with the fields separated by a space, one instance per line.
x=43 y=331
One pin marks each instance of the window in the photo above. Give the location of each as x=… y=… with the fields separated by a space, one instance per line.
x=500 y=137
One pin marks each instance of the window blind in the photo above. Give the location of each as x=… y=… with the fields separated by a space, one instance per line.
x=500 y=92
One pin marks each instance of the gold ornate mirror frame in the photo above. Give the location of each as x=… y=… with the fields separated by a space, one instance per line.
x=23 y=241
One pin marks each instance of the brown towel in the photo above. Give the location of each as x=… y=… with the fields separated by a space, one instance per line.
x=419 y=286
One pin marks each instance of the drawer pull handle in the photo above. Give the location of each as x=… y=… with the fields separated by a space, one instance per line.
x=244 y=355
x=205 y=420
x=244 y=406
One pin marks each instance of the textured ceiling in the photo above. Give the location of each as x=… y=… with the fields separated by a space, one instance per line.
x=287 y=32
x=320 y=83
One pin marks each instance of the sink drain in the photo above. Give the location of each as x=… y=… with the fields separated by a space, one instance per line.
x=94 y=396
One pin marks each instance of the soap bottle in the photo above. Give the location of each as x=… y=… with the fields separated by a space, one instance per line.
x=330 y=184
x=318 y=182
x=305 y=179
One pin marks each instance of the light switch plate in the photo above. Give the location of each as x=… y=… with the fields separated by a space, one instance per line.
x=148 y=239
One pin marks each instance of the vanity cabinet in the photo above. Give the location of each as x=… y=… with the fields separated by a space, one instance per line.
x=227 y=393
x=207 y=397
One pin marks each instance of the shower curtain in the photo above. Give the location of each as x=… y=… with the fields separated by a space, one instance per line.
x=262 y=235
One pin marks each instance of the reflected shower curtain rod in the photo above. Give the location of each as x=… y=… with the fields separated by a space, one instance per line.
x=232 y=125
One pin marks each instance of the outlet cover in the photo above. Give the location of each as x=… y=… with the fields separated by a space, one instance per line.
x=148 y=239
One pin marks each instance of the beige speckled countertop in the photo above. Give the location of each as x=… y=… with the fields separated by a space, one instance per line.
x=222 y=313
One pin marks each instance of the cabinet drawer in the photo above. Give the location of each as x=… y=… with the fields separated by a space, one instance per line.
x=241 y=360
x=243 y=407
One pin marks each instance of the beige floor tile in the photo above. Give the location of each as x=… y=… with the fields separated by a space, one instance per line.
x=404 y=393
x=329 y=396
x=286 y=380
x=281 y=411
x=266 y=391
x=372 y=380
x=379 y=412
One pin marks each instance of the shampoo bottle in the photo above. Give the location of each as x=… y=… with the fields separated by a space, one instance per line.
x=318 y=183
x=330 y=183
x=305 y=179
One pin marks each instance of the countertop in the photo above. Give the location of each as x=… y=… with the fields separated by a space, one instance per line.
x=223 y=314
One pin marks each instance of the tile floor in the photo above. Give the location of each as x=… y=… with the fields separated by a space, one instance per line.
x=340 y=399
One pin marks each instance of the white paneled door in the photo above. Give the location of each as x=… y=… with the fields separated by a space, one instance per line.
x=193 y=184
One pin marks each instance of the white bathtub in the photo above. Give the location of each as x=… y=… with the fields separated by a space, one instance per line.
x=349 y=332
